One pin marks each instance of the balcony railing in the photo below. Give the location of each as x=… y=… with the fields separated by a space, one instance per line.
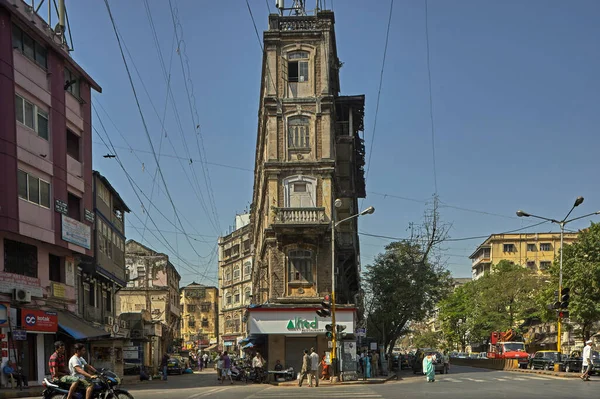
x=300 y=216
x=483 y=257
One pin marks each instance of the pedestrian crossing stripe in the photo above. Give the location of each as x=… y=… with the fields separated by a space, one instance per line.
x=463 y=379
x=208 y=392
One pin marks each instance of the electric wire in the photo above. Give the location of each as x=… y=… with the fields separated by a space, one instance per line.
x=451 y=239
x=144 y=120
x=164 y=241
x=387 y=36
x=430 y=97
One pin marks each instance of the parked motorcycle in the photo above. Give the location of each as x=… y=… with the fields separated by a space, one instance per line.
x=104 y=388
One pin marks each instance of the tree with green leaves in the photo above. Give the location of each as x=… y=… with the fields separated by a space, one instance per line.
x=404 y=283
x=581 y=273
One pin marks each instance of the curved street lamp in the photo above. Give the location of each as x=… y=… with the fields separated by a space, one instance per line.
x=562 y=223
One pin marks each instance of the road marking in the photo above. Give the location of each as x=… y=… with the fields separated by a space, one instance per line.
x=475 y=380
x=539 y=378
x=500 y=379
x=451 y=380
x=206 y=393
x=518 y=379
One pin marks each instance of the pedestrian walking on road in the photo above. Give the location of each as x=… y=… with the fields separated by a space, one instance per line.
x=219 y=366
x=428 y=367
x=305 y=367
x=205 y=358
x=367 y=361
x=226 y=368
x=313 y=377
x=587 y=360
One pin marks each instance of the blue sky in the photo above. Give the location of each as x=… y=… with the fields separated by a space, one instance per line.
x=515 y=93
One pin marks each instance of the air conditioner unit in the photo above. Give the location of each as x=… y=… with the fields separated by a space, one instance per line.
x=109 y=320
x=20 y=295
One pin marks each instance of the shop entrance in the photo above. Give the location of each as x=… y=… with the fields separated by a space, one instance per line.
x=27 y=352
x=294 y=350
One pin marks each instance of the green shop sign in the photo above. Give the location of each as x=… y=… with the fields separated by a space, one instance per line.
x=301 y=324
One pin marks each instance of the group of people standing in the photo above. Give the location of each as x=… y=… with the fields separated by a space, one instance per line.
x=368 y=363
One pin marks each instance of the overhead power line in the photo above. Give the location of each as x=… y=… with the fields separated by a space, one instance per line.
x=430 y=97
x=387 y=36
x=450 y=239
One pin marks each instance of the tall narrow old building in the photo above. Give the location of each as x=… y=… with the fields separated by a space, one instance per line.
x=308 y=155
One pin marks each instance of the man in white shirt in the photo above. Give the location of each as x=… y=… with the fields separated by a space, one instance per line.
x=587 y=360
x=314 y=368
x=79 y=368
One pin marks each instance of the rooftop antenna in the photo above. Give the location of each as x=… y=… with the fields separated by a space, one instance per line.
x=298 y=7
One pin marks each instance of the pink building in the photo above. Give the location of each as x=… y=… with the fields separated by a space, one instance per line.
x=46 y=202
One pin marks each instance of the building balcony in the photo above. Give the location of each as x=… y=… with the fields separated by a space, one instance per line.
x=300 y=217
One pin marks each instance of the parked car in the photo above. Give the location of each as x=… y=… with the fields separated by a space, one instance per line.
x=174 y=366
x=575 y=362
x=545 y=360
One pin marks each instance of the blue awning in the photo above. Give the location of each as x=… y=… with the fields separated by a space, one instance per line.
x=78 y=328
x=250 y=345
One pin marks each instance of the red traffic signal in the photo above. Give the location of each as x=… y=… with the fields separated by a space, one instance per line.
x=325 y=310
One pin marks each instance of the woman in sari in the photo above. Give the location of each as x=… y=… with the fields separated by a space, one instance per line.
x=325 y=369
x=428 y=367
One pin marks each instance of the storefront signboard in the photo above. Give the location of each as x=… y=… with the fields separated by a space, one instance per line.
x=39 y=320
x=291 y=322
x=75 y=232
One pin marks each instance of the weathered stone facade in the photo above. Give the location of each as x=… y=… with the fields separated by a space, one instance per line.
x=308 y=154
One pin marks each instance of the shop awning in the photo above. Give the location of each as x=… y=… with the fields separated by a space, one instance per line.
x=211 y=348
x=249 y=345
x=78 y=328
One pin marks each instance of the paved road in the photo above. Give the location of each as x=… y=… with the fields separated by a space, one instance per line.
x=462 y=382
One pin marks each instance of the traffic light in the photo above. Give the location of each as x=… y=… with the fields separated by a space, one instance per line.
x=325 y=310
x=565 y=297
x=563 y=314
x=556 y=304
x=329 y=331
x=340 y=330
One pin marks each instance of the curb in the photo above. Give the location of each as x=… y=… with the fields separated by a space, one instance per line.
x=544 y=372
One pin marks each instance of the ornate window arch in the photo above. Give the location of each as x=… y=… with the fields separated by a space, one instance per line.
x=236 y=296
x=227 y=299
x=298 y=66
x=247 y=293
x=247 y=269
x=300 y=191
x=298 y=132
x=236 y=272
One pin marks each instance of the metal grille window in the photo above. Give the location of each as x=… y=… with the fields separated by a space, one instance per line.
x=204 y=322
x=236 y=273
x=509 y=248
x=191 y=308
x=31 y=116
x=236 y=297
x=300 y=266
x=34 y=189
x=205 y=307
x=247 y=269
x=298 y=132
x=20 y=258
x=531 y=247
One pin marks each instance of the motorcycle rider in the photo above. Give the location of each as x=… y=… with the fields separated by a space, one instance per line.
x=59 y=370
x=81 y=369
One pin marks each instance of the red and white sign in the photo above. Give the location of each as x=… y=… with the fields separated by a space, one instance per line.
x=39 y=320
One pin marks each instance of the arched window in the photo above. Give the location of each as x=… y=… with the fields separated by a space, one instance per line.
x=247 y=269
x=298 y=132
x=300 y=266
x=236 y=296
x=228 y=299
x=300 y=192
x=236 y=272
x=228 y=277
x=247 y=293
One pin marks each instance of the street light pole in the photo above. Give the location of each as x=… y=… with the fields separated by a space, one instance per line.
x=562 y=223
x=337 y=203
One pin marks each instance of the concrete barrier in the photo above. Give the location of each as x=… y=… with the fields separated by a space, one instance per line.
x=493 y=364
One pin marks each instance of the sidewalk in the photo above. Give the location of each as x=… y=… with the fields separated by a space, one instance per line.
x=378 y=380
